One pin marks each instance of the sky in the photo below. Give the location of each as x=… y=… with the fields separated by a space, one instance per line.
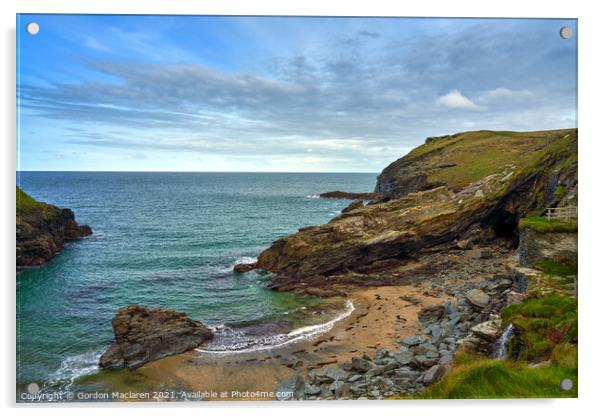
x=278 y=94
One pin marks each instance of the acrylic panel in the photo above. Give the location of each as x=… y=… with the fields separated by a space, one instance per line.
x=295 y=208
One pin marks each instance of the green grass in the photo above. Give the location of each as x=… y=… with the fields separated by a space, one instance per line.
x=544 y=225
x=27 y=206
x=546 y=333
x=481 y=153
x=25 y=202
x=554 y=268
x=474 y=377
x=565 y=355
x=541 y=323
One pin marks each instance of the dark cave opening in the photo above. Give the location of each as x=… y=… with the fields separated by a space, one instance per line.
x=505 y=225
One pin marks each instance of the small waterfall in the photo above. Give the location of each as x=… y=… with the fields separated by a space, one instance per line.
x=502 y=343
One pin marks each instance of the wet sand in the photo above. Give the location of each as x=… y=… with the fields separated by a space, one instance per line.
x=381 y=316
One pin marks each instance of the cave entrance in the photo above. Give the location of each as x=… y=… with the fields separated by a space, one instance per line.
x=504 y=224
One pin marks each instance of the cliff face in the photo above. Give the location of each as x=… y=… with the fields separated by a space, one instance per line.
x=471 y=186
x=535 y=247
x=457 y=160
x=42 y=230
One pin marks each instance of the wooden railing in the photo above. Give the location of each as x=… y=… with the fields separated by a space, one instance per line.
x=564 y=213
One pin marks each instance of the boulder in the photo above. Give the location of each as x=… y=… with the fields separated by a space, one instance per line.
x=143 y=334
x=489 y=330
x=244 y=267
x=375 y=371
x=512 y=298
x=292 y=387
x=331 y=373
x=422 y=361
x=433 y=374
x=430 y=314
x=311 y=390
x=477 y=298
x=340 y=389
x=381 y=355
x=410 y=341
x=361 y=364
x=403 y=357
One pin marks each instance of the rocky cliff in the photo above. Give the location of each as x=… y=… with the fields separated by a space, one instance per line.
x=43 y=229
x=455 y=161
x=454 y=190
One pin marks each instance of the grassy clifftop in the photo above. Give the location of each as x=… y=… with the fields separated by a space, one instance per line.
x=544 y=225
x=29 y=207
x=460 y=159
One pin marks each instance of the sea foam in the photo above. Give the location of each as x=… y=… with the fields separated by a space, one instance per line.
x=240 y=343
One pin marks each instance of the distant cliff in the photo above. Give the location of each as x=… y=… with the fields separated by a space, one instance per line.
x=461 y=189
x=42 y=230
x=457 y=160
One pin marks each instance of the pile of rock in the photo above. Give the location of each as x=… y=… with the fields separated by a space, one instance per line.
x=469 y=322
x=388 y=373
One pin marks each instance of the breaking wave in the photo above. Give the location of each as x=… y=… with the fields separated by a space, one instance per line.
x=230 y=340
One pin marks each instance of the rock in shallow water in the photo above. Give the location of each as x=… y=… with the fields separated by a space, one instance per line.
x=143 y=334
x=244 y=267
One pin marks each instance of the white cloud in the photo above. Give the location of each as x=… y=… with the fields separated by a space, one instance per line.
x=455 y=99
x=505 y=93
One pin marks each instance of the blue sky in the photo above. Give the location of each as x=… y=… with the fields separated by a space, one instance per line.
x=187 y=93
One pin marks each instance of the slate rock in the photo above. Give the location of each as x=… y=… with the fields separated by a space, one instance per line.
x=433 y=374
x=477 y=298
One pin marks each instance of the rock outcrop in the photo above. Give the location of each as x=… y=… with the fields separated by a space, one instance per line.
x=43 y=229
x=356 y=203
x=143 y=334
x=463 y=190
x=365 y=196
x=535 y=247
x=456 y=161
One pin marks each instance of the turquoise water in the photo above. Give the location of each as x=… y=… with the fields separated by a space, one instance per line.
x=169 y=240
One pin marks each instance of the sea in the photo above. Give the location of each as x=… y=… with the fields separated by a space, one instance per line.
x=169 y=240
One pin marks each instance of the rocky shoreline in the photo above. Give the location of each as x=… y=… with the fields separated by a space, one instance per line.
x=469 y=321
x=43 y=230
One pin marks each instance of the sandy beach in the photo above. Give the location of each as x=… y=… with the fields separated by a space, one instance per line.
x=381 y=316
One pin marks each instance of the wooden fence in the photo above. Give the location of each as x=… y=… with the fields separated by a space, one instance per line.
x=564 y=213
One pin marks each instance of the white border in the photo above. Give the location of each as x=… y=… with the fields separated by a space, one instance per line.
x=590 y=154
